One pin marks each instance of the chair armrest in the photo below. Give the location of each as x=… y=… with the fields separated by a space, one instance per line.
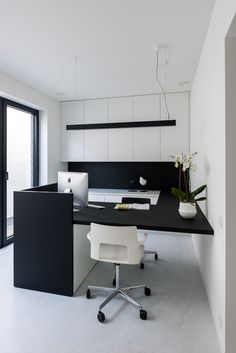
x=89 y=236
x=142 y=241
x=141 y=248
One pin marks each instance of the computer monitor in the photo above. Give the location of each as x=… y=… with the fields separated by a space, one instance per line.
x=77 y=183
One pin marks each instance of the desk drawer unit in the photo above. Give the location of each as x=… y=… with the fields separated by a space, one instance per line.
x=115 y=196
x=96 y=197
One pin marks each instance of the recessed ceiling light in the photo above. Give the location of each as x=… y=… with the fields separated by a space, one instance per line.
x=183 y=83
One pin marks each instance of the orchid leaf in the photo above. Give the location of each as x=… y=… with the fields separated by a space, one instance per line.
x=201 y=199
x=198 y=190
x=179 y=193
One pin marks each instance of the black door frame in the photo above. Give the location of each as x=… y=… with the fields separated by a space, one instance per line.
x=4 y=103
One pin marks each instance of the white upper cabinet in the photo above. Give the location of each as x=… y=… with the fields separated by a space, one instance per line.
x=72 y=141
x=95 y=141
x=95 y=111
x=147 y=140
x=73 y=146
x=72 y=112
x=126 y=144
x=120 y=109
x=147 y=107
x=147 y=144
x=175 y=139
x=120 y=144
x=95 y=145
x=120 y=141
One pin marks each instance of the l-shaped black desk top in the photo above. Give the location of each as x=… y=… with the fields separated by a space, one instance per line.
x=163 y=217
x=44 y=221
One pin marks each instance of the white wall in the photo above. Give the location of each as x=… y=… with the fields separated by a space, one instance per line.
x=230 y=191
x=207 y=135
x=50 y=123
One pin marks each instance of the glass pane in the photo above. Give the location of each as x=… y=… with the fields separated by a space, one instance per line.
x=19 y=157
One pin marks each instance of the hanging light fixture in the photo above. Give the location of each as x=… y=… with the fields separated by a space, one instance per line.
x=166 y=51
x=131 y=124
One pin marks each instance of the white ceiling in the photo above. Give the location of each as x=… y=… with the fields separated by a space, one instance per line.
x=113 y=39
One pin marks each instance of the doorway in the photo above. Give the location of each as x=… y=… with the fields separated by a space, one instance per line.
x=19 y=160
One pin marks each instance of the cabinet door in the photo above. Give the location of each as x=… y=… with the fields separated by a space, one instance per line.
x=147 y=140
x=96 y=197
x=95 y=111
x=147 y=107
x=175 y=139
x=147 y=144
x=113 y=198
x=120 y=109
x=73 y=146
x=95 y=145
x=95 y=141
x=72 y=112
x=120 y=144
x=72 y=140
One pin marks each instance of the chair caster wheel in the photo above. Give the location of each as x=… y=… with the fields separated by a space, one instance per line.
x=101 y=316
x=142 y=265
x=143 y=314
x=88 y=294
x=114 y=282
x=156 y=257
x=147 y=291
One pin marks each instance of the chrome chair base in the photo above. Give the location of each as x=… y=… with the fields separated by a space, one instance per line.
x=150 y=252
x=122 y=291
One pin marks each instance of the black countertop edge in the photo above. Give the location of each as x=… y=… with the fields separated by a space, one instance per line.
x=158 y=229
x=162 y=217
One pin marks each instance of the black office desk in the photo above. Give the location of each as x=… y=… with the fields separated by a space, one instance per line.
x=51 y=250
x=163 y=217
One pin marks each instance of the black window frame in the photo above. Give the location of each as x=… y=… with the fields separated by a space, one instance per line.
x=4 y=103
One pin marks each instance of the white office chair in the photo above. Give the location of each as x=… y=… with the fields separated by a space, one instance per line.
x=118 y=245
x=142 y=234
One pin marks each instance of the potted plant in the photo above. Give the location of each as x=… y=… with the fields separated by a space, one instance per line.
x=187 y=197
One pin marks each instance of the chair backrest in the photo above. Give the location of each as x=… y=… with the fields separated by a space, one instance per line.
x=140 y=200
x=115 y=244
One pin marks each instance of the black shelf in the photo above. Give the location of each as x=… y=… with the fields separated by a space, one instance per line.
x=121 y=125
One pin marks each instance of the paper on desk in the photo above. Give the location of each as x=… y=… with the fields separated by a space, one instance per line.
x=132 y=206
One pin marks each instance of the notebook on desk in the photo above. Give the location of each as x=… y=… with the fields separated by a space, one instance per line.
x=89 y=205
x=132 y=206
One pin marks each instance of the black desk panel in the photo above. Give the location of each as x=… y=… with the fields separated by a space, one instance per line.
x=43 y=245
x=163 y=217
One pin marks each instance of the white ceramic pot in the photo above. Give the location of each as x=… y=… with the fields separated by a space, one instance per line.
x=187 y=209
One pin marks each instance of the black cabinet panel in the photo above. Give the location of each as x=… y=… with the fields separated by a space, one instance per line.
x=125 y=175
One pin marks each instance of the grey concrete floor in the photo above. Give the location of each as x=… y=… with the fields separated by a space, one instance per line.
x=179 y=319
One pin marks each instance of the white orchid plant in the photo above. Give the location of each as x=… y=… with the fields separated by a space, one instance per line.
x=184 y=163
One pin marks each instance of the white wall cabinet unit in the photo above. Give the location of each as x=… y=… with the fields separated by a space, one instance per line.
x=147 y=107
x=175 y=140
x=126 y=144
x=120 y=144
x=95 y=145
x=95 y=111
x=72 y=141
x=147 y=144
x=73 y=146
x=120 y=109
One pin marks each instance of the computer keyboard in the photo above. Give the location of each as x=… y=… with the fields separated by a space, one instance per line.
x=96 y=206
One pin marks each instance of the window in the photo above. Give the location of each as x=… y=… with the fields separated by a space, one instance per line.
x=19 y=159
